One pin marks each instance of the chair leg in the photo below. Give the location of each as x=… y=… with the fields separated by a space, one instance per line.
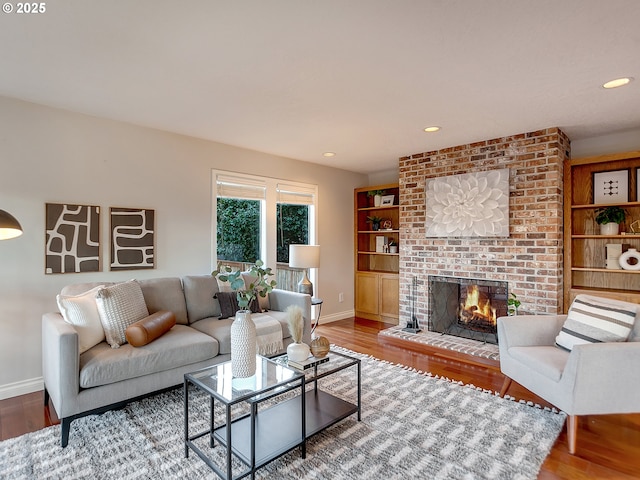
x=505 y=386
x=572 y=432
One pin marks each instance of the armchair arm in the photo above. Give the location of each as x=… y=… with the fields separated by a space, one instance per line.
x=60 y=362
x=603 y=378
x=281 y=299
x=529 y=330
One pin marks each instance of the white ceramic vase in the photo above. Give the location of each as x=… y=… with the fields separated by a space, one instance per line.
x=609 y=228
x=630 y=260
x=298 y=351
x=243 y=345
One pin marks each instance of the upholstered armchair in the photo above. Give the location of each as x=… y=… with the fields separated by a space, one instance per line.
x=583 y=363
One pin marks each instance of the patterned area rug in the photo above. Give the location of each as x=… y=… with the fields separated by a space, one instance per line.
x=413 y=426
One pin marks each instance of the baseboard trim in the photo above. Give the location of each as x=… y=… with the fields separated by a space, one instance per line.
x=21 y=388
x=334 y=317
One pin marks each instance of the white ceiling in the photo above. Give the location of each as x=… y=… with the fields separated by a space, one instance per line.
x=361 y=78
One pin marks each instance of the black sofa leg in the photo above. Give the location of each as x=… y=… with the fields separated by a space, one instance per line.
x=66 y=425
x=46 y=397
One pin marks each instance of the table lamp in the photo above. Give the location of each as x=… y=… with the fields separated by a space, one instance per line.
x=304 y=256
x=9 y=226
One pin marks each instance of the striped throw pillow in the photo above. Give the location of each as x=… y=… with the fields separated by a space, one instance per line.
x=594 y=320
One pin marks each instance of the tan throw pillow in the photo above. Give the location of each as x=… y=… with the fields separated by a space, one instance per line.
x=119 y=306
x=81 y=311
x=149 y=328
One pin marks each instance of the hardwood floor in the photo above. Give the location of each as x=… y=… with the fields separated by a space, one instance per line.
x=608 y=445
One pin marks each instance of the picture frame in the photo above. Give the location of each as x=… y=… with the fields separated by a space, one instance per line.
x=132 y=238
x=611 y=186
x=387 y=200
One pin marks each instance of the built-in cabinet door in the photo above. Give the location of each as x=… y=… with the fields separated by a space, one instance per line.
x=389 y=297
x=367 y=293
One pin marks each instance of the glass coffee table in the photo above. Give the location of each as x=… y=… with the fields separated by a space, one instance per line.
x=262 y=435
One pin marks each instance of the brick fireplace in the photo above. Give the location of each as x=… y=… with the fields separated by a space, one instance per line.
x=530 y=260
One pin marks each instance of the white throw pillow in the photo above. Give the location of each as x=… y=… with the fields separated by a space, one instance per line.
x=119 y=306
x=594 y=320
x=81 y=311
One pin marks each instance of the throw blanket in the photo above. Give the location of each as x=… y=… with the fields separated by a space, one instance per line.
x=268 y=335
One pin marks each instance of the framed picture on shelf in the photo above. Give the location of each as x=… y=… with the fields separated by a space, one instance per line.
x=387 y=200
x=611 y=186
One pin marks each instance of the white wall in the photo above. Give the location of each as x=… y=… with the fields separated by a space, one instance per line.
x=53 y=156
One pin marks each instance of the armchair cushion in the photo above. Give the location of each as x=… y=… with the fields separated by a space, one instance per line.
x=548 y=361
x=594 y=320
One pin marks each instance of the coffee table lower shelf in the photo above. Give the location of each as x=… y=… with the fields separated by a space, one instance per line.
x=276 y=434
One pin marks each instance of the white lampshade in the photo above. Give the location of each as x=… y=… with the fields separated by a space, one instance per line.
x=9 y=226
x=304 y=256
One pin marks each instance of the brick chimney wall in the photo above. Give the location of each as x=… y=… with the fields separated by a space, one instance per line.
x=530 y=260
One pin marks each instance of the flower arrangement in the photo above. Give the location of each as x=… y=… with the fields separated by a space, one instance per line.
x=296 y=323
x=261 y=286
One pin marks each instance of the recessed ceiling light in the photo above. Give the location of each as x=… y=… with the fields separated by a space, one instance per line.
x=329 y=154
x=618 y=82
x=431 y=129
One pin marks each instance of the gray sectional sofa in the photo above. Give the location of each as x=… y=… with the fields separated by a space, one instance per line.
x=103 y=378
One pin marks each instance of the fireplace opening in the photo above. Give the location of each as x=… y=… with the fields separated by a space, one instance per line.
x=466 y=307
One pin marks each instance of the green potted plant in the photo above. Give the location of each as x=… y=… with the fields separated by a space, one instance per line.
x=609 y=219
x=243 y=330
x=377 y=196
x=375 y=222
x=246 y=293
x=393 y=246
x=512 y=304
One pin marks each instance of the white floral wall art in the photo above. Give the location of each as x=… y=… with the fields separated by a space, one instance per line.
x=468 y=205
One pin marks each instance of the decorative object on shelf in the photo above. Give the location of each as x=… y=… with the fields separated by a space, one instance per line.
x=611 y=186
x=609 y=219
x=381 y=243
x=72 y=238
x=132 y=238
x=513 y=304
x=387 y=200
x=243 y=345
x=393 y=247
x=305 y=257
x=243 y=330
x=375 y=222
x=320 y=346
x=296 y=351
x=630 y=260
x=9 y=226
x=612 y=254
x=468 y=205
x=387 y=224
x=635 y=227
x=377 y=196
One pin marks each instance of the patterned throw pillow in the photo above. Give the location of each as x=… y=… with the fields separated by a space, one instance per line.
x=595 y=320
x=229 y=304
x=81 y=311
x=119 y=306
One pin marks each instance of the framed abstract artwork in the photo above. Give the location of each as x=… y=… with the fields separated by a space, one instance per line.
x=468 y=205
x=132 y=238
x=611 y=186
x=72 y=238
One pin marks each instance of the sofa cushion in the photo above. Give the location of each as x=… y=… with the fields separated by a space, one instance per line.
x=149 y=328
x=165 y=294
x=81 y=311
x=229 y=304
x=199 y=291
x=178 y=347
x=119 y=306
x=595 y=319
x=218 y=329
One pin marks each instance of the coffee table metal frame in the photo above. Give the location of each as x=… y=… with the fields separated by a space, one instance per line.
x=255 y=438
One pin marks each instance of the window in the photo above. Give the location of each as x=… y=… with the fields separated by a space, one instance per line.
x=258 y=218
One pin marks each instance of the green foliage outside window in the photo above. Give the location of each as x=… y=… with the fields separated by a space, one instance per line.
x=293 y=227
x=238 y=234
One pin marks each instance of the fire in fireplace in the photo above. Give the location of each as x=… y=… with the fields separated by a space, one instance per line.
x=466 y=307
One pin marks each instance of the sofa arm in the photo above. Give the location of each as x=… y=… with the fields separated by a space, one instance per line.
x=281 y=299
x=60 y=362
x=529 y=330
